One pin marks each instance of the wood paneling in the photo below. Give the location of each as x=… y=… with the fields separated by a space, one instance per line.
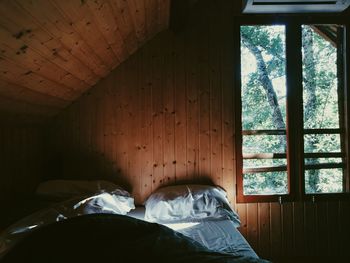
x=21 y=159
x=59 y=49
x=166 y=115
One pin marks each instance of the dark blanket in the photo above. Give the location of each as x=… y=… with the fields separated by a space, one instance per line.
x=112 y=238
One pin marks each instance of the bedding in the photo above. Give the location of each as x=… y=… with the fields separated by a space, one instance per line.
x=220 y=235
x=190 y=203
x=213 y=234
x=217 y=235
x=113 y=238
x=114 y=202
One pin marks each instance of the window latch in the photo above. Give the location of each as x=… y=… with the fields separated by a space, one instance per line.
x=280 y=200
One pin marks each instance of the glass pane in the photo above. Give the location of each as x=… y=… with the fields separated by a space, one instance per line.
x=324 y=181
x=320 y=95
x=268 y=183
x=322 y=160
x=263 y=80
x=264 y=144
x=255 y=163
x=322 y=143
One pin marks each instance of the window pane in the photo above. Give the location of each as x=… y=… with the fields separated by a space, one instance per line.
x=264 y=144
x=263 y=77
x=322 y=143
x=268 y=183
x=324 y=181
x=320 y=94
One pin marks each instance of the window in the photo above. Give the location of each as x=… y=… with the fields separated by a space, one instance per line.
x=292 y=128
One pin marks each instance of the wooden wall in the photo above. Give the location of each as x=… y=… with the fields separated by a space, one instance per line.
x=166 y=115
x=21 y=160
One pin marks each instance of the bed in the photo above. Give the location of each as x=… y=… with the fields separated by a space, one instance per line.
x=107 y=226
x=217 y=235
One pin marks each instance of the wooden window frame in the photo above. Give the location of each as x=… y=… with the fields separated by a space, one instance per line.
x=295 y=151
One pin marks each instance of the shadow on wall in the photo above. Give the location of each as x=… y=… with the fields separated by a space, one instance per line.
x=86 y=166
x=190 y=179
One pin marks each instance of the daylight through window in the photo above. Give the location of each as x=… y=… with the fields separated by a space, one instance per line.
x=269 y=126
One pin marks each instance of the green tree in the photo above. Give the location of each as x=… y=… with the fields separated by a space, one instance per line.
x=261 y=108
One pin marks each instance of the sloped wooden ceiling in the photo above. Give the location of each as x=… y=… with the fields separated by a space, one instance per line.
x=51 y=51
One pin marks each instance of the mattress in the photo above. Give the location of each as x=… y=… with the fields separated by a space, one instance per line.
x=113 y=238
x=217 y=235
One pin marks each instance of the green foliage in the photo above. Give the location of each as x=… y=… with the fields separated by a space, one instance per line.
x=265 y=183
x=329 y=181
x=323 y=109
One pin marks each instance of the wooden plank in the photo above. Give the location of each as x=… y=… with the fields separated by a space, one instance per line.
x=311 y=239
x=5 y=151
x=100 y=132
x=287 y=229
x=113 y=109
x=216 y=111
x=242 y=212
x=19 y=145
x=333 y=232
x=13 y=91
x=264 y=229
x=264 y=155
x=180 y=109
x=105 y=21
x=77 y=46
x=276 y=238
x=179 y=14
x=16 y=75
x=164 y=14
x=169 y=113
x=89 y=112
x=55 y=24
x=204 y=97
x=192 y=104
x=109 y=123
x=83 y=22
x=265 y=169
x=298 y=229
x=122 y=15
x=83 y=120
x=227 y=77
x=323 y=166
x=151 y=18
x=17 y=106
x=123 y=117
x=8 y=118
x=137 y=14
x=158 y=114
x=19 y=53
x=28 y=31
x=106 y=129
x=133 y=135
x=263 y=132
x=252 y=226
x=344 y=227
x=49 y=20
x=322 y=231
x=146 y=126
x=322 y=131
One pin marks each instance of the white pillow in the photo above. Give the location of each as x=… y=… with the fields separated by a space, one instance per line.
x=189 y=203
x=65 y=189
x=106 y=202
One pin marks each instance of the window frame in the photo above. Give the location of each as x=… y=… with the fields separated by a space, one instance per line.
x=295 y=151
